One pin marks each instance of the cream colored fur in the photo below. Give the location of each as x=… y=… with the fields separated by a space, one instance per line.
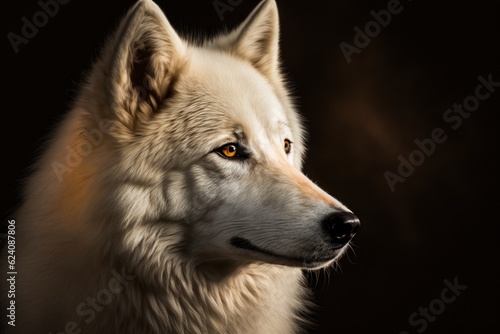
x=150 y=197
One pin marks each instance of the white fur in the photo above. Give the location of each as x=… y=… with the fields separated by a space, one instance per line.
x=153 y=199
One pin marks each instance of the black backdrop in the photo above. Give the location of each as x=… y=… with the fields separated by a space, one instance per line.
x=440 y=224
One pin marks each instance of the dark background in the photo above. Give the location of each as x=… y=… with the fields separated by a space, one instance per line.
x=441 y=223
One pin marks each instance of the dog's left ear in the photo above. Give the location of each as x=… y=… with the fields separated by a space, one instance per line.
x=256 y=39
x=141 y=65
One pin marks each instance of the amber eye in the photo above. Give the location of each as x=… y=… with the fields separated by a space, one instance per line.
x=231 y=151
x=287 y=146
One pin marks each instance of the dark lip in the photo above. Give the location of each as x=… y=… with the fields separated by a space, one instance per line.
x=307 y=262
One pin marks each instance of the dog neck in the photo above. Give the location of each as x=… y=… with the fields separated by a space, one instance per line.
x=196 y=302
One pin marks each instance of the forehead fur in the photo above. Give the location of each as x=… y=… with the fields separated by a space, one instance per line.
x=233 y=88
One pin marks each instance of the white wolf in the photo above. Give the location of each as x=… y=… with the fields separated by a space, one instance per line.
x=170 y=199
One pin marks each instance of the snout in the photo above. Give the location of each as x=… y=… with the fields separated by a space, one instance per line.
x=341 y=226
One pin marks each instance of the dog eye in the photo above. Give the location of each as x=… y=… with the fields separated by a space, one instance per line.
x=287 y=146
x=231 y=150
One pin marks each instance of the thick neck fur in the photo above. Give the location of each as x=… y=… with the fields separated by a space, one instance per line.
x=183 y=299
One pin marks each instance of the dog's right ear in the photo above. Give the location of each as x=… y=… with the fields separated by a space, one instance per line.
x=141 y=65
x=256 y=40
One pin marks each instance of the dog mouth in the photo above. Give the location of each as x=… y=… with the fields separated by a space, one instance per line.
x=306 y=262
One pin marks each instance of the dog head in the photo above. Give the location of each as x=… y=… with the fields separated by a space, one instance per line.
x=208 y=139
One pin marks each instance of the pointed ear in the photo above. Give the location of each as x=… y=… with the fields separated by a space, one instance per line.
x=256 y=39
x=142 y=64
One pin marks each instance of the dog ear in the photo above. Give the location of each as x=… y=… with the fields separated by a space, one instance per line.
x=256 y=39
x=142 y=64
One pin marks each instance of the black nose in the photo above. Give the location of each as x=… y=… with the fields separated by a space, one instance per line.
x=341 y=226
